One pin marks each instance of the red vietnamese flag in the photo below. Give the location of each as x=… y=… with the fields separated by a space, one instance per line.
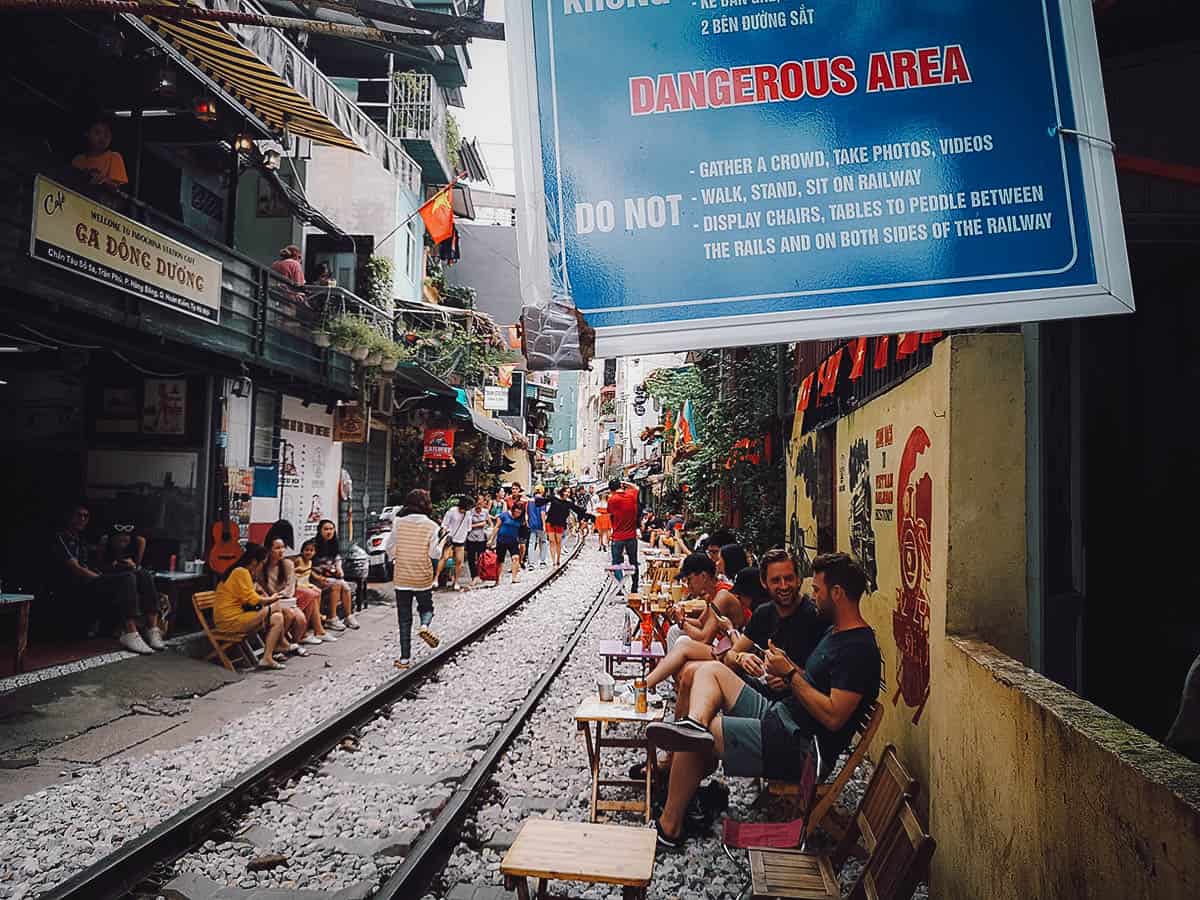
x=858 y=353
x=438 y=215
x=907 y=343
x=805 y=392
x=928 y=337
x=832 y=366
x=881 y=351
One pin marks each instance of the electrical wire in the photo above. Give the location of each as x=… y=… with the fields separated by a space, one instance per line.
x=59 y=342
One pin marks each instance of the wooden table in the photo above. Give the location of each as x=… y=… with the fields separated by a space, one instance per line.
x=572 y=851
x=171 y=584
x=613 y=652
x=662 y=570
x=660 y=607
x=19 y=603
x=593 y=712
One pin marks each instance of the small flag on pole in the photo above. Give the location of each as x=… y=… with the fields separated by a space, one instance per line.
x=858 y=353
x=438 y=214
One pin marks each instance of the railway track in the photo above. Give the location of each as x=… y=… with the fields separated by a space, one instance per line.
x=141 y=867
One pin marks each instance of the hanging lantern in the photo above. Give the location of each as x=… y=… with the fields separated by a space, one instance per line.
x=204 y=108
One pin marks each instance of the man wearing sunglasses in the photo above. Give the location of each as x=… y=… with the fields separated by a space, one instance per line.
x=117 y=581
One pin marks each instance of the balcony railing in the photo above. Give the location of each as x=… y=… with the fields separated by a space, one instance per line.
x=263 y=318
x=419 y=120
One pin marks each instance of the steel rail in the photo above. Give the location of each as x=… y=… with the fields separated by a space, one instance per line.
x=411 y=879
x=116 y=875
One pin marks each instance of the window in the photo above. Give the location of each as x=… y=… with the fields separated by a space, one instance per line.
x=265 y=429
x=412 y=255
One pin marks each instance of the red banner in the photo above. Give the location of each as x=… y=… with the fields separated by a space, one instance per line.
x=881 y=351
x=907 y=343
x=858 y=354
x=832 y=367
x=805 y=392
x=439 y=443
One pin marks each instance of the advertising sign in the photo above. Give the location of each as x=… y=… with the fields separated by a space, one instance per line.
x=718 y=172
x=75 y=233
x=495 y=397
x=164 y=406
x=309 y=464
x=439 y=443
x=350 y=424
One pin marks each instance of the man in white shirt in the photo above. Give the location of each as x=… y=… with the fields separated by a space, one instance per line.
x=456 y=523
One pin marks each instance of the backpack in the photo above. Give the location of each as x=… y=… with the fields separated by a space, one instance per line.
x=487 y=567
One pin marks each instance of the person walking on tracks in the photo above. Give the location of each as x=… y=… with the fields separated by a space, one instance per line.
x=416 y=548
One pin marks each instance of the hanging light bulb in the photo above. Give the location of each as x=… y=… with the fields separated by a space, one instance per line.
x=271 y=160
x=243 y=143
x=204 y=108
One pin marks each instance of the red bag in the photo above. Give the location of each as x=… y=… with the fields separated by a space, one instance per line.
x=487 y=567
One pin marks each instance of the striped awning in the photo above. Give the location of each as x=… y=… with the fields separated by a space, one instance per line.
x=276 y=83
x=282 y=95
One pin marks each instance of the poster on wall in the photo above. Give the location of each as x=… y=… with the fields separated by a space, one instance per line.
x=310 y=463
x=715 y=173
x=164 y=406
x=241 y=492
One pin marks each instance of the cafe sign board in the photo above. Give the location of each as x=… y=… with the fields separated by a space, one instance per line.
x=703 y=173
x=495 y=397
x=79 y=234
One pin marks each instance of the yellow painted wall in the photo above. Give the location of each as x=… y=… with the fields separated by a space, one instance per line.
x=892 y=478
x=930 y=495
x=1038 y=793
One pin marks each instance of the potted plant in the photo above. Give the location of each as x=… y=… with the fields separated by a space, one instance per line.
x=351 y=335
x=321 y=337
x=391 y=354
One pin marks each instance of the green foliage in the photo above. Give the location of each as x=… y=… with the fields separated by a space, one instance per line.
x=732 y=399
x=348 y=332
x=453 y=140
x=458 y=295
x=380 y=278
x=459 y=354
x=672 y=386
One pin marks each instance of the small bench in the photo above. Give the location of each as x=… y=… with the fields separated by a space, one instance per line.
x=546 y=849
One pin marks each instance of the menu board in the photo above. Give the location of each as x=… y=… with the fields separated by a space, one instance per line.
x=715 y=172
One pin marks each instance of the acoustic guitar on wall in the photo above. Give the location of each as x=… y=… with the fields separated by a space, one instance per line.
x=225 y=534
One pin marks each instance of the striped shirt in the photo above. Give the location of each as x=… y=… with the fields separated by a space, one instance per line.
x=415 y=547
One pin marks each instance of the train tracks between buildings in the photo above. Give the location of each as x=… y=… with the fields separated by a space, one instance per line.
x=137 y=868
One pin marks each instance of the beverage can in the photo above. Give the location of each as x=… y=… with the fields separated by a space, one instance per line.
x=639 y=695
x=171 y=564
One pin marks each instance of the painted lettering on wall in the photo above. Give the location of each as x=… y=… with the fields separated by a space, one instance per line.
x=910 y=619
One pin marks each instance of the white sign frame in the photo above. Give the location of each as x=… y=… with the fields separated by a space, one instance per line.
x=1111 y=293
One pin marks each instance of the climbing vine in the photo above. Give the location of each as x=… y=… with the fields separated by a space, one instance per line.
x=733 y=394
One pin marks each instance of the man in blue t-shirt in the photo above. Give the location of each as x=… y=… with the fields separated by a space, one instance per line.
x=753 y=735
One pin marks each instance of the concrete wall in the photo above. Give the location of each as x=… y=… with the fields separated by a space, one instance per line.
x=361 y=197
x=1030 y=791
x=1038 y=793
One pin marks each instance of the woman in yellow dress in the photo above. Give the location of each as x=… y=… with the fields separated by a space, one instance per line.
x=238 y=608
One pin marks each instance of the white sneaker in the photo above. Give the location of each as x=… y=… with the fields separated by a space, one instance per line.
x=311 y=639
x=328 y=638
x=352 y=622
x=336 y=624
x=154 y=638
x=133 y=642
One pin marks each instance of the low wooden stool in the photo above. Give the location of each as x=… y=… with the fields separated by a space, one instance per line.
x=793 y=874
x=546 y=849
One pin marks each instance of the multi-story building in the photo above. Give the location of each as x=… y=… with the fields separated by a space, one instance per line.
x=154 y=360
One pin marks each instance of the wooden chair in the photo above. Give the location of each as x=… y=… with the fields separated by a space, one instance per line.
x=202 y=602
x=813 y=876
x=827 y=794
x=899 y=862
x=890 y=787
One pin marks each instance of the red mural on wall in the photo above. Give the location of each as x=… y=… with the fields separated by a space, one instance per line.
x=910 y=620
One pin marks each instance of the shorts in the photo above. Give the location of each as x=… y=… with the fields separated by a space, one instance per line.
x=556 y=529
x=762 y=739
x=742 y=731
x=506 y=548
x=458 y=543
